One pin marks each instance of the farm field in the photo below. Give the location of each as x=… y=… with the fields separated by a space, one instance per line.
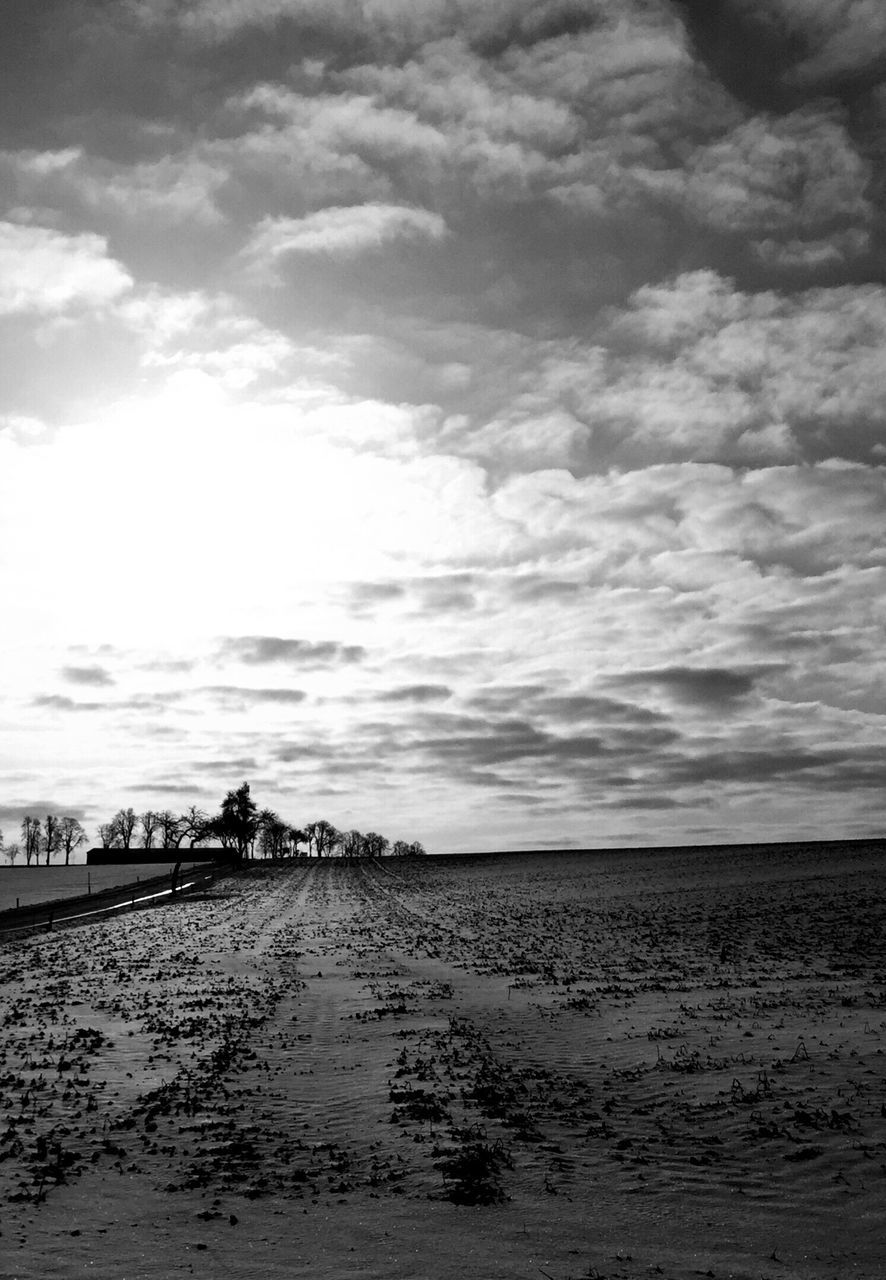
x=611 y=1065
x=24 y=886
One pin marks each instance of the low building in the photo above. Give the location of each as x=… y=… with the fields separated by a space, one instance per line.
x=195 y=853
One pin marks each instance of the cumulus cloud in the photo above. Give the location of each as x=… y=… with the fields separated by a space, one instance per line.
x=209 y=333
x=799 y=173
x=170 y=190
x=694 y=367
x=343 y=231
x=397 y=23
x=47 y=272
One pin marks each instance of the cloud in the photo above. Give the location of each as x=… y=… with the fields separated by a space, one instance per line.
x=244 y=764
x=601 y=710
x=46 y=272
x=839 y=38
x=704 y=686
x=597 y=98
x=94 y=675
x=416 y=693
x=343 y=231
x=446 y=593
x=171 y=190
x=171 y=665
x=644 y=802
x=364 y=596
x=13 y=813
x=58 y=702
x=244 y=693
x=395 y=24
x=710 y=371
x=259 y=650
x=210 y=334
x=532 y=588
x=811 y=768
x=794 y=174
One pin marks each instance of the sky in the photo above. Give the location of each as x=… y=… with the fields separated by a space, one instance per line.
x=460 y=419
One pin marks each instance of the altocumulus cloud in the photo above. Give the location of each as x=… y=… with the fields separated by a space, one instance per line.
x=546 y=483
x=343 y=232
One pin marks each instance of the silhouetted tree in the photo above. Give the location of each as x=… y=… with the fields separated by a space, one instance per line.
x=31 y=838
x=194 y=824
x=71 y=836
x=237 y=824
x=123 y=823
x=296 y=837
x=322 y=837
x=273 y=834
x=150 y=823
x=106 y=835
x=352 y=844
x=11 y=852
x=171 y=828
x=375 y=845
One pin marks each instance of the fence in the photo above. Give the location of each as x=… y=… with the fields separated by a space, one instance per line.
x=91 y=906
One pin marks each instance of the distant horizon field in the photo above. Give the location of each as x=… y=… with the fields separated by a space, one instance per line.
x=27 y=886
x=30 y=885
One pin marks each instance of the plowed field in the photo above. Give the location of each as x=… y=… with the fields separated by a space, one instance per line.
x=598 y=1065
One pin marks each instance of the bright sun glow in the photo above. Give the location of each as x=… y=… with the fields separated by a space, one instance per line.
x=189 y=505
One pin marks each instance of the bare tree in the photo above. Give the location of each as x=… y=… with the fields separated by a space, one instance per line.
x=376 y=845
x=107 y=835
x=194 y=825
x=150 y=822
x=51 y=836
x=72 y=836
x=273 y=834
x=295 y=837
x=124 y=821
x=417 y=850
x=11 y=852
x=322 y=837
x=171 y=828
x=400 y=849
x=352 y=844
x=31 y=836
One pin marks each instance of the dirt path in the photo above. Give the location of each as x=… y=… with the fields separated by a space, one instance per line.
x=335 y=1070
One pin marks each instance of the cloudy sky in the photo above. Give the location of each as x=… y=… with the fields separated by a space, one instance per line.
x=458 y=418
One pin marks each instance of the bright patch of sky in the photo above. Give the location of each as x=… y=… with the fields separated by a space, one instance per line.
x=458 y=420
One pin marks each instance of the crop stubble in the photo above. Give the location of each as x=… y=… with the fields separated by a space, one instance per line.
x=605 y=1064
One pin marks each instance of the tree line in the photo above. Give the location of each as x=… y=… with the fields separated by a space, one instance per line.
x=239 y=826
